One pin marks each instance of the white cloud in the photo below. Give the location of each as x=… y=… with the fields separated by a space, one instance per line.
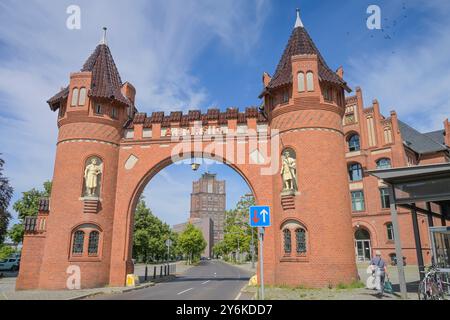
x=414 y=81
x=154 y=45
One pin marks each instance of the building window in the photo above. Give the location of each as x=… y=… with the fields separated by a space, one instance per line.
x=285 y=97
x=390 y=231
x=358 y=201
x=93 y=243
x=82 y=98
x=384 y=194
x=98 y=109
x=114 y=112
x=301 y=82
x=355 y=172
x=300 y=239
x=287 y=241
x=74 y=97
x=78 y=242
x=310 y=81
x=354 y=143
x=384 y=163
x=328 y=93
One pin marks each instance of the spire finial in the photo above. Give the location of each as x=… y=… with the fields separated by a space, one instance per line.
x=103 y=41
x=298 y=22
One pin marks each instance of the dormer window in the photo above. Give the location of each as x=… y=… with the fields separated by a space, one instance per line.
x=98 y=109
x=310 y=81
x=74 y=97
x=114 y=113
x=285 y=96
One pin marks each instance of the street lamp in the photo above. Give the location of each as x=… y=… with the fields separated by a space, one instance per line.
x=195 y=166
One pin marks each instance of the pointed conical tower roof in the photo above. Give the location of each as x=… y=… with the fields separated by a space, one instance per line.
x=106 y=81
x=300 y=43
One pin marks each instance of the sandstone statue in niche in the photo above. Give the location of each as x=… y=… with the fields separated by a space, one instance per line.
x=289 y=171
x=92 y=174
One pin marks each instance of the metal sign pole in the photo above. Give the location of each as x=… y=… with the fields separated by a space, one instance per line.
x=261 y=260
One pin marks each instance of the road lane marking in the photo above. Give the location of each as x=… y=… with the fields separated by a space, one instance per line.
x=184 y=291
x=238 y=296
x=206 y=282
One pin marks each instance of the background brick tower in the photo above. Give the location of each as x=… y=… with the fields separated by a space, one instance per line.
x=92 y=112
x=305 y=101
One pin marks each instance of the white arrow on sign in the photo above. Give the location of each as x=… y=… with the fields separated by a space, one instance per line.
x=264 y=213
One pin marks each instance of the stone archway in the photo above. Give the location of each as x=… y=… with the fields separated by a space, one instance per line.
x=137 y=176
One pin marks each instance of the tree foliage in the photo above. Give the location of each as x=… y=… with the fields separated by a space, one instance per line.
x=6 y=192
x=150 y=235
x=238 y=233
x=27 y=206
x=191 y=243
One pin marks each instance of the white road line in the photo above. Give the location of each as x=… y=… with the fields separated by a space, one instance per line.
x=206 y=282
x=184 y=291
x=238 y=296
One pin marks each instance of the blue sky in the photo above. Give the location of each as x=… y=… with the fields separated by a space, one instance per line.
x=197 y=54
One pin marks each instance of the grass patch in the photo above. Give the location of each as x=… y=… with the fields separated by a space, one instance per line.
x=354 y=285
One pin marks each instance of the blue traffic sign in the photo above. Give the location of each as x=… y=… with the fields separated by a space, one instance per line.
x=259 y=216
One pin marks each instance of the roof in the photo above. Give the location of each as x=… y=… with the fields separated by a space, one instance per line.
x=419 y=142
x=414 y=173
x=300 y=43
x=55 y=101
x=438 y=136
x=106 y=81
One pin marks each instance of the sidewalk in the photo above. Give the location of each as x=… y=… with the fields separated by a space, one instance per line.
x=8 y=292
x=356 y=291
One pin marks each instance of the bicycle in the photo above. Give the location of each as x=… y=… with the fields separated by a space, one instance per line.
x=432 y=285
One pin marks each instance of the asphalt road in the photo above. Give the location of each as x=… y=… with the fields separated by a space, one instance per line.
x=211 y=280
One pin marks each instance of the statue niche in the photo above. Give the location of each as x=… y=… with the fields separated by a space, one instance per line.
x=289 y=171
x=92 y=177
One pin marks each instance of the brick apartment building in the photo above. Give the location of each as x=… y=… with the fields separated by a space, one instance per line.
x=208 y=200
x=375 y=142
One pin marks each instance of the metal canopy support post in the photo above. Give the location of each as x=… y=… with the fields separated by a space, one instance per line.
x=418 y=242
x=398 y=245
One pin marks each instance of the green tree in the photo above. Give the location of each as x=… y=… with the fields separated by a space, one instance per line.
x=191 y=243
x=6 y=192
x=6 y=252
x=28 y=206
x=150 y=235
x=238 y=233
x=16 y=233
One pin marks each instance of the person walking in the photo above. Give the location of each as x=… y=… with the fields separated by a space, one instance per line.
x=380 y=270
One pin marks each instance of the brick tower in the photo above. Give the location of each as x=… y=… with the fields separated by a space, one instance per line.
x=305 y=101
x=92 y=111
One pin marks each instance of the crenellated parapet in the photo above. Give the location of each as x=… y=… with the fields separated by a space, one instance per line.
x=194 y=122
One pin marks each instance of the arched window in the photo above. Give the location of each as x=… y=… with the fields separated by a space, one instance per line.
x=354 y=143
x=300 y=239
x=82 y=99
x=78 y=243
x=74 y=97
x=301 y=82
x=384 y=163
x=94 y=236
x=287 y=241
x=390 y=231
x=310 y=81
x=355 y=172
